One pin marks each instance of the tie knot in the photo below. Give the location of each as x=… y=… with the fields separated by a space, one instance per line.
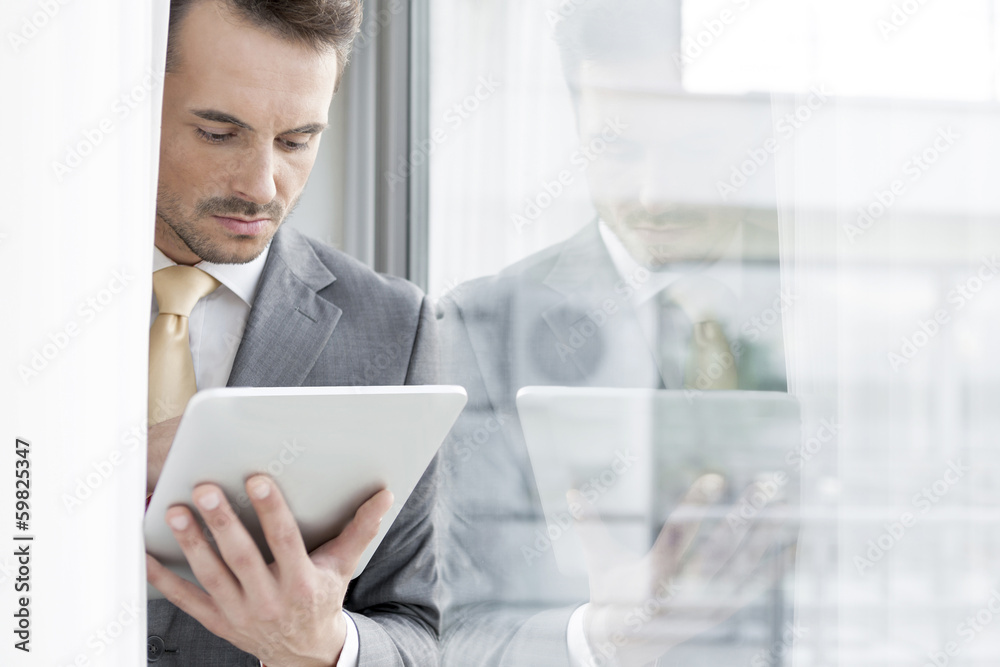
x=179 y=288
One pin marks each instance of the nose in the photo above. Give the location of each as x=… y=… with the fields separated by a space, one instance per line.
x=654 y=193
x=253 y=177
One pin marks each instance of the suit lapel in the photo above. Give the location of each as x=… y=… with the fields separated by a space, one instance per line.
x=289 y=324
x=585 y=278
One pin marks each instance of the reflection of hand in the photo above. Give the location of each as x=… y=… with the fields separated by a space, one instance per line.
x=159 y=439
x=285 y=613
x=641 y=607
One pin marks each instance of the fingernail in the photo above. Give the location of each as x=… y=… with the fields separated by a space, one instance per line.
x=209 y=501
x=260 y=489
x=178 y=521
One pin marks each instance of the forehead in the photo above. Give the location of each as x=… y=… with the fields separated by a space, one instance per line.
x=639 y=89
x=686 y=143
x=225 y=63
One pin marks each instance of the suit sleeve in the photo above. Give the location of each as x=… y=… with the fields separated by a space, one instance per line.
x=395 y=602
x=500 y=613
x=425 y=359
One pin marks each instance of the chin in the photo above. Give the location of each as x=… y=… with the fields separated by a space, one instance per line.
x=233 y=250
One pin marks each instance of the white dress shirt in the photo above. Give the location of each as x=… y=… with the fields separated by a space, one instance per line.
x=216 y=328
x=726 y=272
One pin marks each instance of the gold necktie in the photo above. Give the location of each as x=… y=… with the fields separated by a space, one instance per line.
x=711 y=364
x=171 y=368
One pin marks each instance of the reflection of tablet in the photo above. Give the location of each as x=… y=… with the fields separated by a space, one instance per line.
x=634 y=453
x=328 y=448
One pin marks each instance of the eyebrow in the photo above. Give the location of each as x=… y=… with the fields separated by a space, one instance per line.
x=221 y=117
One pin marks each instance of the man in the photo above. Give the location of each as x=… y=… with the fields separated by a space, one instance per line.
x=241 y=300
x=660 y=292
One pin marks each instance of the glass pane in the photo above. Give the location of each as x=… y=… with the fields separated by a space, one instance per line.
x=718 y=277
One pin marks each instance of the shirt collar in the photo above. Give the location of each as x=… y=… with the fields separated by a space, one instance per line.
x=241 y=279
x=728 y=270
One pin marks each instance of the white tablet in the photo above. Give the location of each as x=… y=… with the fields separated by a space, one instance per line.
x=328 y=448
x=633 y=453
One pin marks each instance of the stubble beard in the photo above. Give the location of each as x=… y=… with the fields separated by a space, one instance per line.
x=238 y=249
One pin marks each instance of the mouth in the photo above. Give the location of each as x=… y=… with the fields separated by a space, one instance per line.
x=242 y=226
x=656 y=229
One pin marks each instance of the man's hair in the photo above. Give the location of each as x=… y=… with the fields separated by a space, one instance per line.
x=321 y=24
x=616 y=31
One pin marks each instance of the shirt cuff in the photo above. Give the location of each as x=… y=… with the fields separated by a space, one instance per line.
x=352 y=644
x=580 y=654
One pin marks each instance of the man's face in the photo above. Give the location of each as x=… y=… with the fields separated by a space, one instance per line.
x=242 y=116
x=647 y=177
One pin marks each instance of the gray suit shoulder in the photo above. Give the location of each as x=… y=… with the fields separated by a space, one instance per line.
x=353 y=275
x=494 y=292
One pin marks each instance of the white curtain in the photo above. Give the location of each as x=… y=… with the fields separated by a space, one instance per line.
x=82 y=89
x=890 y=248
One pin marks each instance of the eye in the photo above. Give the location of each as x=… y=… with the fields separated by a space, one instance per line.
x=214 y=137
x=293 y=145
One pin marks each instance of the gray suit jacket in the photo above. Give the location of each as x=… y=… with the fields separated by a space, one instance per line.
x=321 y=318
x=507 y=601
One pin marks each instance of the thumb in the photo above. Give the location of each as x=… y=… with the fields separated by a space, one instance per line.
x=344 y=551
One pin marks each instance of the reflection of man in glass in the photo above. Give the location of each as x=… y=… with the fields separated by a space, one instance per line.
x=671 y=287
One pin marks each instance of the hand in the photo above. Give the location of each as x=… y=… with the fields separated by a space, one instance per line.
x=641 y=607
x=159 y=439
x=287 y=613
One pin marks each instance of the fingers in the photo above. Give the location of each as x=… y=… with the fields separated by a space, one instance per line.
x=280 y=528
x=236 y=546
x=741 y=591
x=682 y=526
x=726 y=539
x=766 y=536
x=343 y=552
x=186 y=596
